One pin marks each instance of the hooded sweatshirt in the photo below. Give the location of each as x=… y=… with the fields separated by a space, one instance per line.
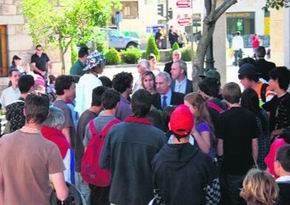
x=181 y=173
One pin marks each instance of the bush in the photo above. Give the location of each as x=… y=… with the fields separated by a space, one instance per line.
x=131 y=55
x=175 y=47
x=113 y=57
x=186 y=54
x=152 y=48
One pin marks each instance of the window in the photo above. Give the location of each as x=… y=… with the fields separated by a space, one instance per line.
x=3 y=51
x=130 y=10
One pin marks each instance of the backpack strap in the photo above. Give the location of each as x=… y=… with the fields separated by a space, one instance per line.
x=92 y=128
x=264 y=91
x=108 y=126
x=214 y=106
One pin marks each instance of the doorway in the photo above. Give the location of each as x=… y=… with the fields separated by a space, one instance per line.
x=3 y=51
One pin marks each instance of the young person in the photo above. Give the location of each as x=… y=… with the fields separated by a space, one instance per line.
x=202 y=129
x=282 y=170
x=279 y=106
x=81 y=63
x=36 y=160
x=250 y=101
x=181 y=171
x=14 y=111
x=128 y=152
x=89 y=81
x=148 y=82
x=237 y=134
x=110 y=101
x=65 y=91
x=40 y=62
x=12 y=93
x=259 y=188
x=122 y=82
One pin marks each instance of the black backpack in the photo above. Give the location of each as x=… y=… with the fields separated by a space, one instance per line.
x=74 y=197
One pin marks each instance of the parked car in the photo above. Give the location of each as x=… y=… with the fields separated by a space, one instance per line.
x=118 y=40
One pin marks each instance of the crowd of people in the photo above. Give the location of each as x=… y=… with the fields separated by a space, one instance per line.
x=150 y=140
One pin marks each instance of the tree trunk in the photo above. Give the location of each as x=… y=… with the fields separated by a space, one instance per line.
x=61 y=53
x=198 y=63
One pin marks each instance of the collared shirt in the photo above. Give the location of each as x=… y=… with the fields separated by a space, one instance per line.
x=168 y=99
x=9 y=96
x=40 y=61
x=283 y=179
x=180 y=86
x=237 y=43
x=191 y=140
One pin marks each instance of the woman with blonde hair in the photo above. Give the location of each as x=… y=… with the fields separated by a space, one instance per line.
x=148 y=82
x=203 y=129
x=259 y=188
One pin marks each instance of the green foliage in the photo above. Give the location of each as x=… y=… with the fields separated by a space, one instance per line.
x=175 y=46
x=277 y=4
x=152 y=48
x=131 y=55
x=113 y=57
x=186 y=54
x=61 y=22
x=73 y=54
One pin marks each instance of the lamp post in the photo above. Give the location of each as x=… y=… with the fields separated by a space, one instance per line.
x=209 y=61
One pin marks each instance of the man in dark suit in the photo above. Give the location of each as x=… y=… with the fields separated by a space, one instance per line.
x=180 y=83
x=176 y=55
x=165 y=96
x=263 y=67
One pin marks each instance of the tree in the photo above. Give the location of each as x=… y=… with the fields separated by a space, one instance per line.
x=209 y=22
x=277 y=4
x=61 y=22
x=152 y=48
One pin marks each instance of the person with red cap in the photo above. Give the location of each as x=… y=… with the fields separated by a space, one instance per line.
x=181 y=170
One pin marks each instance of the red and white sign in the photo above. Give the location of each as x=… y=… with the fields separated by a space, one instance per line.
x=186 y=21
x=183 y=4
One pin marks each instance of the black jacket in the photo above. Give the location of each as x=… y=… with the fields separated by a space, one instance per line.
x=188 y=89
x=167 y=67
x=128 y=151
x=181 y=172
x=284 y=193
x=176 y=99
x=264 y=67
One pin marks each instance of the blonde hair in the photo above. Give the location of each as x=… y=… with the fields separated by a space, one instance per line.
x=259 y=187
x=197 y=101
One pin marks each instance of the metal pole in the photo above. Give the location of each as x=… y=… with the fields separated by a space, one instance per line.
x=209 y=62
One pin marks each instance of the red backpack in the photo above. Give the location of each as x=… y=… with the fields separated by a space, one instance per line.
x=91 y=171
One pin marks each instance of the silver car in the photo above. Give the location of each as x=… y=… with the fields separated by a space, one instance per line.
x=118 y=40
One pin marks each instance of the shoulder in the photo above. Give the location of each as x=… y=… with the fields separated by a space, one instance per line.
x=177 y=95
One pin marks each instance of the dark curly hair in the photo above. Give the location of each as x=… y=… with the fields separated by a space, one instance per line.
x=122 y=81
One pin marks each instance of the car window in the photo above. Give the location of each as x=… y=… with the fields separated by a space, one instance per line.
x=115 y=33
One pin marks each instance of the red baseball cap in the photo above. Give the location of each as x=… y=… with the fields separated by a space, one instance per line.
x=181 y=121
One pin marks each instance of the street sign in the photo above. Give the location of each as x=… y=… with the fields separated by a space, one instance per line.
x=186 y=21
x=183 y=4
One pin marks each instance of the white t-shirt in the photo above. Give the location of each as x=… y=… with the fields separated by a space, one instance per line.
x=9 y=95
x=238 y=43
x=84 y=89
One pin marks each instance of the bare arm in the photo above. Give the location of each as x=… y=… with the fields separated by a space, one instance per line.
x=255 y=150
x=49 y=67
x=203 y=140
x=220 y=147
x=66 y=133
x=59 y=185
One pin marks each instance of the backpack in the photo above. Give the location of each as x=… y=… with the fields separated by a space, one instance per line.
x=91 y=171
x=74 y=197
